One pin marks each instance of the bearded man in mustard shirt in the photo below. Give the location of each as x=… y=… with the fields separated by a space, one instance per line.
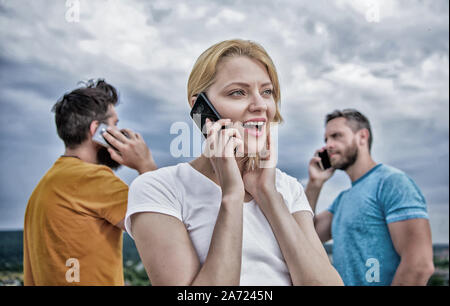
x=74 y=217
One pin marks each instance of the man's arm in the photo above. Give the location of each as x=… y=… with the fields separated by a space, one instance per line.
x=412 y=241
x=322 y=221
x=317 y=177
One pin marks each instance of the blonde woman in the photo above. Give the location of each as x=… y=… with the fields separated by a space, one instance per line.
x=222 y=219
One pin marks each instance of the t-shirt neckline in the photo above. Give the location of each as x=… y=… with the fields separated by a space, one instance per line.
x=366 y=174
x=211 y=182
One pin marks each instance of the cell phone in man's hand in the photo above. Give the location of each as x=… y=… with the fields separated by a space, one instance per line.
x=203 y=109
x=324 y=160
x=98 y=136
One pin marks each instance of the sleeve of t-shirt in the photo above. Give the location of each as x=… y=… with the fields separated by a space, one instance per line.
x=153 y=192
x=105 y=194
x=401 y=199
x=299 y=200
x=333 y=206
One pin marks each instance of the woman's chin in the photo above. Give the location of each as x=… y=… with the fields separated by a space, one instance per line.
x=252 y=148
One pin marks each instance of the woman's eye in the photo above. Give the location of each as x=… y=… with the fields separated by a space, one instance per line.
x=268 y=92
x=237 y=93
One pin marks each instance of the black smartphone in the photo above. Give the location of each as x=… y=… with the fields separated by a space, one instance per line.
x=325 y=160
x=203 y=109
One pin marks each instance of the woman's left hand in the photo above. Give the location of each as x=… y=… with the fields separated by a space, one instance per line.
x=261 y=180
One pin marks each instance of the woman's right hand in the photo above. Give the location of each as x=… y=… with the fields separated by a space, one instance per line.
x=220 y=148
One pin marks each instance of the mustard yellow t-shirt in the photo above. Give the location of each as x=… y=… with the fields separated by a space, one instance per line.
x=70 y=237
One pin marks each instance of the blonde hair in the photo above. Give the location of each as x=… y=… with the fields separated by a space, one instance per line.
x=205 y=69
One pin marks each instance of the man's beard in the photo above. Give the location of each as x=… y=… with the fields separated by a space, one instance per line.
x=349 y=157
x=104 y=158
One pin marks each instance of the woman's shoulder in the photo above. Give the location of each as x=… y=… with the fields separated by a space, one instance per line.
x=168 y=175
x=286 y=180
x=293 y=192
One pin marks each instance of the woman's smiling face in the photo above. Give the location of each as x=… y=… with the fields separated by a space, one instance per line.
x=243 y=92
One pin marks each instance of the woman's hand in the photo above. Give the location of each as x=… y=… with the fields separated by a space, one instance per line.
x=220 y=148
x=261 y=181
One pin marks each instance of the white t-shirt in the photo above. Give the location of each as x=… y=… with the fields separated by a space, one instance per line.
x=185 y=193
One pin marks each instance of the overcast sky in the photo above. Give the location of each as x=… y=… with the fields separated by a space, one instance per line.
x=389 y=59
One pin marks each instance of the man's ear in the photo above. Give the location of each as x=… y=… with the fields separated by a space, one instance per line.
x=364 y=137
x=93 y=127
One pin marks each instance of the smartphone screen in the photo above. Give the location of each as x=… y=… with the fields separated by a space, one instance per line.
x=325 y=160
x=203 y=109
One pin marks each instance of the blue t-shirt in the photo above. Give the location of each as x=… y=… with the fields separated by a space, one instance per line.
x=363 y=252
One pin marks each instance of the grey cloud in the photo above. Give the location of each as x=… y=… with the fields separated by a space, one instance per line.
x=159 y=14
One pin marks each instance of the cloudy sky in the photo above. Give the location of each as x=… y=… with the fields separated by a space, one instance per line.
x=389 y=59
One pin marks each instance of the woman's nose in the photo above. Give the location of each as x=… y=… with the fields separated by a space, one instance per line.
x=257 y=103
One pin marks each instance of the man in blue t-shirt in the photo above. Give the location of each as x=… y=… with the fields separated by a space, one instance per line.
x=380 y=229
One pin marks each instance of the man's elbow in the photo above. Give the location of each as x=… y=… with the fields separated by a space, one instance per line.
x=427 y=270
x=421 y=272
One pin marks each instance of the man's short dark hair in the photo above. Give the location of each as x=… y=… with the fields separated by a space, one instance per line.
x=356 y=121
x=76 y=110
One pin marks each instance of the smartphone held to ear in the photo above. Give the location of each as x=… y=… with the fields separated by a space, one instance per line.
x=201 y=110
x=98 y=136
x=324 y=160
